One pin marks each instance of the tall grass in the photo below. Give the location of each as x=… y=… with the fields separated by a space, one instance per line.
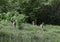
x=29 y=33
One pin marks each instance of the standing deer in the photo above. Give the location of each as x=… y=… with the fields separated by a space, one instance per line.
x=41 y=25
x=33 y=22
x=13 y=23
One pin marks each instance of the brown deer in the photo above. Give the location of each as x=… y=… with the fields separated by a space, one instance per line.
x=33 y=22
x=13 y=23
x=41 y=25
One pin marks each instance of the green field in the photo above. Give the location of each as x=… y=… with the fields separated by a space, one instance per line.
x=29 y=33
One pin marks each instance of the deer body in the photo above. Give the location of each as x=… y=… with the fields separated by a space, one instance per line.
x=13 y=23
x=41 y=26
x=33 y=22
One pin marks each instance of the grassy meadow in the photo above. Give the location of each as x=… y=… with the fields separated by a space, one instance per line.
x=29 y=33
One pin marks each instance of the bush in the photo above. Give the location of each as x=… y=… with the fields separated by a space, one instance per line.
x=20 y=18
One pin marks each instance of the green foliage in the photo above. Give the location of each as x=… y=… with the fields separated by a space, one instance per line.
x=41 y=10
x=8 y=16
x=20 y=18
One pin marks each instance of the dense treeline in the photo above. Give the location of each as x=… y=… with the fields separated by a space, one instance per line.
x=47 y=11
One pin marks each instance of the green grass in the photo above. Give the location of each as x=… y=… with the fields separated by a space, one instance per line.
x=29 y=33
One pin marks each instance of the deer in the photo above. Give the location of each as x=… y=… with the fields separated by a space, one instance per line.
x=41 y=25
x=13 y=23
x=34 y=22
